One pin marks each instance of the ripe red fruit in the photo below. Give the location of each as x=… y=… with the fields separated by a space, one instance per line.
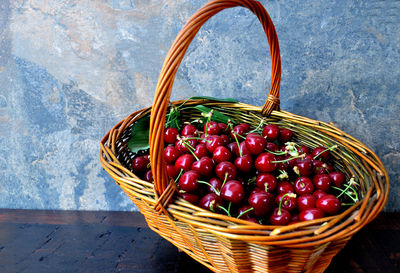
x=285 y=135
x=319 y=193
x=304 y=166
x=266 y=181
x=244 y=163
x=223 y=127
x=306 y=201
x=184 y=162
x=238 y=131
x=289 y=203
x=280 y=217
x=262 y=202
x=186 y=143
x=337 y=178
x=201 y=150
x=265 y=162
x=189 y=130
x=211 y=202
x=227 y=169
x=271 y=132
x=272 y=147
x=246 y=212
x=321 y=153
x=204 y=166
x=285 y=187
x=311 y=214
x=328 y=204
x=221 y=153
x=255 y=143
x=322 y=182
x=212 y=128
x=225 y=139
x=213 y=142
x=303 y=185
x=170 y=135
x=171 y=154
x=232 y=191
x=191 y=198
x=246 y=126
x=216 y=185
x=321 y=167
x=139 y=164
x=172 y=171
x=148 y=176
x=189 y=181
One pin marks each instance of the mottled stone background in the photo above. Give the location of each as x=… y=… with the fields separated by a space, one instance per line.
x=70 y=70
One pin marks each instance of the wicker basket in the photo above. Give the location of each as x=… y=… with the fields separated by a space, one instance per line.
x=226 y=244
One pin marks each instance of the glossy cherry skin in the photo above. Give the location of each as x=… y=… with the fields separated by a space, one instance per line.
x=255 y=143
x=271 y=147
x=311 y=214
x=303 y=149
x=148 y=176
x=184 y=144
x=216 y=184
x=212 y=128
x=232 y=191
x=262 y=202
x=191 y=198
x=223 y=127
x=337 y=178
x=139 y=164
x=265 y=162
x=329 y=204
x=306 y=201
x=184 y=162
x=239 y=131
x=305 y=167
x=225 y=139
x=226 y=168
x=318 y=194
x=221 y=153
x=201 y=151
x=321 y=167
x=189 y=129
x=171 y=154
x=285 y=135
x=246 y=215
x=204 y=166
x=189 y=181
x=321 y=153
x=244 y=163
x=285 y=187
x=266 y=181
x=280 y=218
x=170 y=135
x=289 y=203
x=211 y=202
x=213 y=142
x=322 y=182
x=271 y=132
x=303 y=185
x=246 y=126
x=173 y=172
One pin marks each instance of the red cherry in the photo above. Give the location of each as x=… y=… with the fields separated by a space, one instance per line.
x=285 y=135
x=285 y=187
x=203 y=139
x=232 y=191
x=246 y=126
x=238 y=131
x=148 y=176
x=191 y=198
x=266 y=181
x=246 y=212
x=225 y=139
x=306 y=201
x=321 y=167
x=322 y=182
x=189 y=130
x=255 y=143
x=328 y=204
x=253 y=220
x=226 y=169
x=201 y=150
x=216 y=185
x=139 y=164
x=321 y=153
x=303 y=185
x=265 y=162
x=189 y=181
x=319 y=193
x=262 y=202
x=271 y=132
x=311 y=214
x=171 y=154
x=212 y=128
x=289 y=203
x=280 y=217
x=304 y=166
x=303 y=149
x=211 y=202
x=184 y=162
x=185 y=143
x=223 y=127
x=244 y=163
x=221 y=153
x=173 y=172
x=170 y=135
x=337 y=178
x=213 y=142
x=204 y=166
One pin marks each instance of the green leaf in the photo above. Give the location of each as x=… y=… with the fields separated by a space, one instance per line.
x=214 y=99
x=217 y=116
x=139 y=135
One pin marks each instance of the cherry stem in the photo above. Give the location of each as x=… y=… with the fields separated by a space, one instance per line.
x=208 y=184
x=288 y=159
x=197 y=138
x=224 y=209
x=189 y=147
x=244 y=212
x=258 y=126
x=349 y=187
x=276 y=153
x=327 y=149
x=226 y=176
x=179 y=176
x=237 y=142
x=209 y=115
x=290 y=194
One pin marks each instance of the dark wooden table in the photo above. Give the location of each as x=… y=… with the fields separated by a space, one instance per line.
x=77 y=241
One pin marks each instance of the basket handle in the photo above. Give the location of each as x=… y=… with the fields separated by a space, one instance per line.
x=170 y=67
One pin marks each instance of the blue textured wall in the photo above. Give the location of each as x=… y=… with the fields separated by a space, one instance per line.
x=70 y=70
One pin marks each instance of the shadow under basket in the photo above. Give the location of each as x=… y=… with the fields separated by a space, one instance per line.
x=227 y=244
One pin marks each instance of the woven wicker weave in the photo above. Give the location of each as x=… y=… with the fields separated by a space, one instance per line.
x=226 y=244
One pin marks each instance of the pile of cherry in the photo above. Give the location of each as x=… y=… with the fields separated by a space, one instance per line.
x=257 y=174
